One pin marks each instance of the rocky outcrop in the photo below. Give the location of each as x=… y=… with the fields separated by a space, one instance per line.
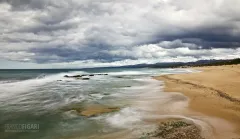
x=93 y=110
x=74 y=76
x=119 y=76
x=175 y=129
x=83 y=76
x=101 y=74
x=97 y=110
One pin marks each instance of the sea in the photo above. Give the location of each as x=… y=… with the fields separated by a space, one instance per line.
x=43 y=104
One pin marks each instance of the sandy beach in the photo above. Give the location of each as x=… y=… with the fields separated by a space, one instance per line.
x=214 y=92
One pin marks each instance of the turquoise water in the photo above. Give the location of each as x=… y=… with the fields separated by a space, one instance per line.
x=47 y=98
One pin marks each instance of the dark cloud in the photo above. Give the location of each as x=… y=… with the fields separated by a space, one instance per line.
x=68 y=54
x=49 y=31
x=26 y=4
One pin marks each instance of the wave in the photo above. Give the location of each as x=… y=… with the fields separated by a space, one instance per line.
x=11 y=88
x=127 y=117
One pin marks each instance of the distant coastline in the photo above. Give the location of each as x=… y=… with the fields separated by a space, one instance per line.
x=199 y=63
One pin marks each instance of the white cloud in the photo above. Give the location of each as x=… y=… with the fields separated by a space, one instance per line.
x=113 y=31
x=174 y=49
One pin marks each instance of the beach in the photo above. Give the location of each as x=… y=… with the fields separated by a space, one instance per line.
x=122 y=103
x=212 y=92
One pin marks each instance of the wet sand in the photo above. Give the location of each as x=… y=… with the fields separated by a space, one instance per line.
x=214 y=92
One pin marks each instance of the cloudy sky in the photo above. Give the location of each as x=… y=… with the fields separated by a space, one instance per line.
x=87 y=33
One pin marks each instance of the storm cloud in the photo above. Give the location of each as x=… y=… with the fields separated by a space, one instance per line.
x=114 y=32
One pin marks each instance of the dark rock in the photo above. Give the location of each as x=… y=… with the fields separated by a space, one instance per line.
x=119 y=77
x=85 y=78
x=102 y=74
x=59 y=80
x=74 y=76
x=91 y=75
x=77 y=76
x=73 y=97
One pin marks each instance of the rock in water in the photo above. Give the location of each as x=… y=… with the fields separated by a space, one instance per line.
x=95 y=110
x=85 y=78
x=119 y=76
x=76 y=76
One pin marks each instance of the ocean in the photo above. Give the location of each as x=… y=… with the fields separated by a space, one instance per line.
x=44 y=97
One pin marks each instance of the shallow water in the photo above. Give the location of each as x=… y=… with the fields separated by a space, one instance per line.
x=46 y=98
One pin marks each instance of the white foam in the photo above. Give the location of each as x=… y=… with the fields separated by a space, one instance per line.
x=78 y=98
x=70 y=114
x=97 y=96
x=128 y=73
x=126 y=118
x=8 y=89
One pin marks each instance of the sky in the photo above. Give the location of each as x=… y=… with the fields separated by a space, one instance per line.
x=93 y=33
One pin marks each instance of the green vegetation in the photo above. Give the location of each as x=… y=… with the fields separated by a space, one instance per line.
x=224 y=62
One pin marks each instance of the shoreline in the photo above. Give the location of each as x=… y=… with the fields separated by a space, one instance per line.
x=212 y=92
